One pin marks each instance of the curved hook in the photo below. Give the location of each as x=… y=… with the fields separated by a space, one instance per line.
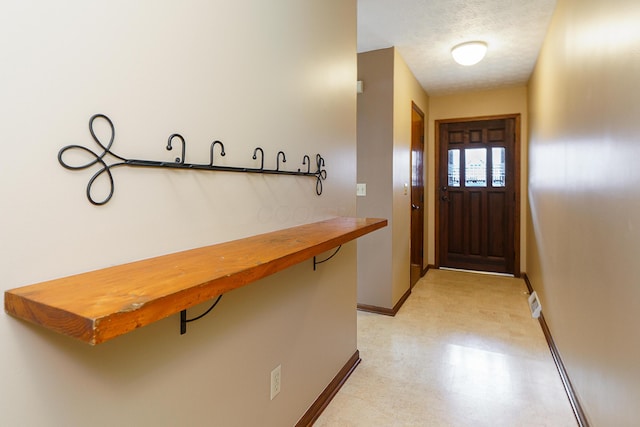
x=261 y=156
x=184 y=147
x=306 y=161
x=213 y=145
x=284 y=159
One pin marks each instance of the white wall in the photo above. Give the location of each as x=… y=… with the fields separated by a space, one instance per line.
x=584 y=194
x=276 y=74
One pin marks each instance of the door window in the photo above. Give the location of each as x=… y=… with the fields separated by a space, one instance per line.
x=498 y=166
x=454 y=168
x=475 y=167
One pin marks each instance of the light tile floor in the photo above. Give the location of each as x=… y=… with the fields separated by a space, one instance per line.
x=462 y=351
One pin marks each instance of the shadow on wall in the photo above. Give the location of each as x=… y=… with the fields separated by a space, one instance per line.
x=158 y=350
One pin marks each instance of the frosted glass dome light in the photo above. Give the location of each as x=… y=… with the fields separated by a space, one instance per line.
x=469 y=53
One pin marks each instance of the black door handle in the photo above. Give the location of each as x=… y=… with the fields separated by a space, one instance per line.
x=444 y=198
x=414 y=207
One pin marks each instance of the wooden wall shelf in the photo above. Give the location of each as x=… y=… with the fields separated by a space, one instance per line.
x=103 y=304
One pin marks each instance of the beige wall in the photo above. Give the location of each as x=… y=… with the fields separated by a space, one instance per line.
x=584 y=223
x=406 y=90
x=375 y=169
x=384 y=164
x=250 y=73
x=511 y=100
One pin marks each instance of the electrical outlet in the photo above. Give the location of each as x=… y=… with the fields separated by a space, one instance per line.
x=276 y=377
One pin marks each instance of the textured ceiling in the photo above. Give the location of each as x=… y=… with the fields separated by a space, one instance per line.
x=424 y=31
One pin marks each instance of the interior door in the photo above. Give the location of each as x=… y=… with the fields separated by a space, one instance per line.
x=417 y=193
x=477 y=195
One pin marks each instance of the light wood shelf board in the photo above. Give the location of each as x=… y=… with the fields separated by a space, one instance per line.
x=100 y=305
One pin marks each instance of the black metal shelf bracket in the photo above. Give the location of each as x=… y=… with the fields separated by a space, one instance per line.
x=315 y=263
x=100 y=159
x=184 y=320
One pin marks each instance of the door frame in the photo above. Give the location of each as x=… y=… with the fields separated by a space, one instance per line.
x=421 y=206
x=517 y=183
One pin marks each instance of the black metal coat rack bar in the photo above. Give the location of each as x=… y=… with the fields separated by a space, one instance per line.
x=99 y=159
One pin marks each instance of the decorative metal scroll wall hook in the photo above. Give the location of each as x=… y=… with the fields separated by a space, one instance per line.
x=99 y=158
x=321 y=175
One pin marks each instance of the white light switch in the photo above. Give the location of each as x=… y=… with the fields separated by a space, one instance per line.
x=361 y=190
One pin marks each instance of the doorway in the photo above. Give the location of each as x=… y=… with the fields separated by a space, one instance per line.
x=417 y=193
x=477 y=194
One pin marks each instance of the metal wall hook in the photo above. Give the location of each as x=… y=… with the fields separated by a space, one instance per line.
x=184 y=147
x=213 y=145
x=255 y=157
x=284 y=159
x=99 y=158
x=306 y=161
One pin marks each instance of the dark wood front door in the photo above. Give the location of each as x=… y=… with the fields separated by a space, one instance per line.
x=417 y=193
x=477 y=195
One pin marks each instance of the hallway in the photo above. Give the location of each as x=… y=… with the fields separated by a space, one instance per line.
x=462 y=351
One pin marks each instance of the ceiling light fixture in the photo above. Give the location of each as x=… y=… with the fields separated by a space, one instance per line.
x=469 y=53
